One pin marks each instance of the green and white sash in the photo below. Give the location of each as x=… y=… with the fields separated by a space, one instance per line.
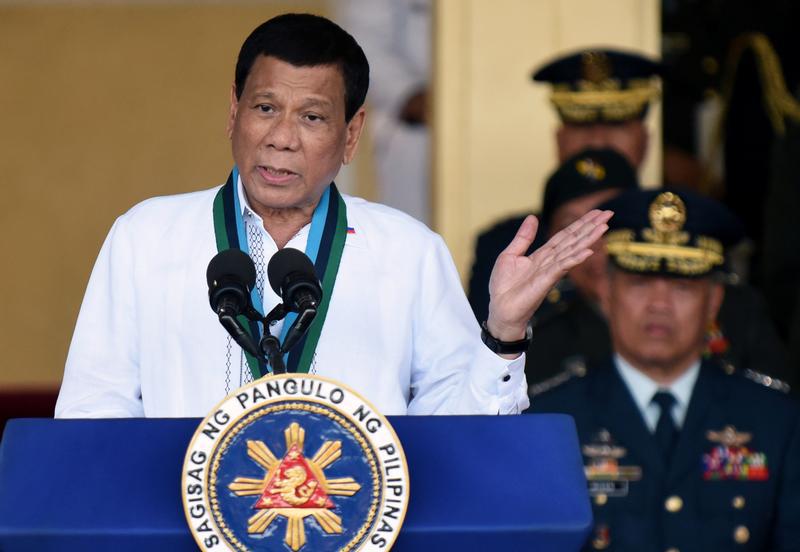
x=324 y=247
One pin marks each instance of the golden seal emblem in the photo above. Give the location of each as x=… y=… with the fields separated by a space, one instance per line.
x=295 y=462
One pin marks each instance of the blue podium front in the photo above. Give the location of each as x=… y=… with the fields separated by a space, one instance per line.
x=477 y=483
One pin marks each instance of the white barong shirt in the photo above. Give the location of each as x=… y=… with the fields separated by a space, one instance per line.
x=399 y=330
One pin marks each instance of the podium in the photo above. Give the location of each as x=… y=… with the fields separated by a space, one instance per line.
x=478 y=483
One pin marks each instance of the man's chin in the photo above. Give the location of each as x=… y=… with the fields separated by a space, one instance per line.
x=276 y=200
x=655 y=357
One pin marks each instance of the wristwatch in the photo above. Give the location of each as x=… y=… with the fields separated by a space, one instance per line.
x=506 y=347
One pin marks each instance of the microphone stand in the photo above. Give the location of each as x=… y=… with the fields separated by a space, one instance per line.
x=270 y=345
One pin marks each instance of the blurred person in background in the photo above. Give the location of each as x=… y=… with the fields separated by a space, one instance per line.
x=602 y=98
x=396 y=36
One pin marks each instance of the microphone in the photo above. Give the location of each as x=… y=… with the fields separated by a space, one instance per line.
x=231 y=276
x=291 y=274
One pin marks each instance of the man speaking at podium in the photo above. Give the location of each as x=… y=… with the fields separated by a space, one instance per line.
x=395 y=325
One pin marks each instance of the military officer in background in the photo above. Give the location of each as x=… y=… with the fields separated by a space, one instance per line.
x=572 y=332
x=602 y=98
x=573 y=329
x=681 y=452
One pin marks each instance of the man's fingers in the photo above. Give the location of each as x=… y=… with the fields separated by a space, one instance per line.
x=581 y=233
x=583 y=244
x=524 y=237
x=555 y=269
x=580 y=227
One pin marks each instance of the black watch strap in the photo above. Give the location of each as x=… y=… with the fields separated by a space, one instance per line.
x=506 y=347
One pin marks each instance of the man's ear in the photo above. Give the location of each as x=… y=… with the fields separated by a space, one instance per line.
x=233 y=111
x=354 y=129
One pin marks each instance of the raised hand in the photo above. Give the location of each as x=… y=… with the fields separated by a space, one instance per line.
x=519 y=283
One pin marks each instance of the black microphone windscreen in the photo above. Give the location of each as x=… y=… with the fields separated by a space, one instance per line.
x=286 y=261
x=231 y=264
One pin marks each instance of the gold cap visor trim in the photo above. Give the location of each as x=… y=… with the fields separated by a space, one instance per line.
x=584 y=106
x=648 y=257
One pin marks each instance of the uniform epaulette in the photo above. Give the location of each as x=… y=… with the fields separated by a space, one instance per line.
x=767 y=381
x=758 y=377
x=574 y=367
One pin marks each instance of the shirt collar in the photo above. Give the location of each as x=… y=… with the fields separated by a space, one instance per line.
x=244 y=204
x=642 y=387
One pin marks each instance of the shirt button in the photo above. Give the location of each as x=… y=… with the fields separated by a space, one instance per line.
x=741 y=534
x=506 y=377
x=738 y=502
x=673 y=504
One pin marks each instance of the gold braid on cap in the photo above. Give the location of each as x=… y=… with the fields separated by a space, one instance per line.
x=599 y=97
x=665 y=242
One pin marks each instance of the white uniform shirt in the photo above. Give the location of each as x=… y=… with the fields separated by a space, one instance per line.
x=642 y=389
x=396 y=38
x=399 y=329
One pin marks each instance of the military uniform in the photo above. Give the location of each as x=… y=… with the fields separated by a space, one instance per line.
x=692 y=504
x=680 y=453
x=588 y=87
x=569 y=329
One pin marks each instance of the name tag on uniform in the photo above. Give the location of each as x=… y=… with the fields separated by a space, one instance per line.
x=604 y=473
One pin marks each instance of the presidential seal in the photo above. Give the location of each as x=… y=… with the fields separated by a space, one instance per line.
x=295 y=462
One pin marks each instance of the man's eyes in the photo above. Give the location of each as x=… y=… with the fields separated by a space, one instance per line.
x=310 y=117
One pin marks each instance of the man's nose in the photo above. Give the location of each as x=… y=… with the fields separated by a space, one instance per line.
x=659 y=294
x=598 y=138
x=282 y=134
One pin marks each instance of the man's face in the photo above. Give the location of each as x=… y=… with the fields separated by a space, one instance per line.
x=288 y=133
x=659 y=323
x=628 y=138
x=590 y=274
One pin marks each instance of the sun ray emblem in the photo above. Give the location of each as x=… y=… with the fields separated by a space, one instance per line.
x=294 y=487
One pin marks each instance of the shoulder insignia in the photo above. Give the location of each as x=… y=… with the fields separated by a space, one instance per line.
x=758 y=377
x=767 y=381
x=574 y=367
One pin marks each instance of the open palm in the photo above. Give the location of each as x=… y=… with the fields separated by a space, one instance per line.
x=519 y=283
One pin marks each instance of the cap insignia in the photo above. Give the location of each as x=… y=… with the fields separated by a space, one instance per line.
x=596 y=67
x=591 y=169
x=667 y=216
x=665 y=244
